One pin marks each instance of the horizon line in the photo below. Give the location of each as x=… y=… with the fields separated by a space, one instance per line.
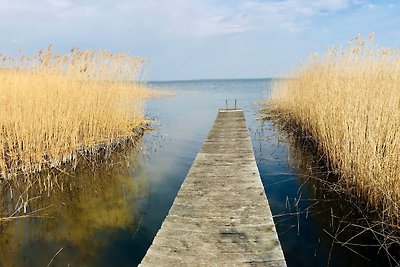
x=213 y=79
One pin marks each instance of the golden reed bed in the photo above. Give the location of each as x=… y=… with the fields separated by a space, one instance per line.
x=348 y=102
x=53 y=106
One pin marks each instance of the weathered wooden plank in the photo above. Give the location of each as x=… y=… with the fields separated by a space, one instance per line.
x=221 y=215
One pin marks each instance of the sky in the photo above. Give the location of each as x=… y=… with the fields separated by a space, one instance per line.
x=199 y=39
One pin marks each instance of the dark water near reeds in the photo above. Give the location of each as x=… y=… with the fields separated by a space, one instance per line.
x=109 y=215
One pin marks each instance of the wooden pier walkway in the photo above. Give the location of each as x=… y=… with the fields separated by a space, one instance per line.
x=221 y=215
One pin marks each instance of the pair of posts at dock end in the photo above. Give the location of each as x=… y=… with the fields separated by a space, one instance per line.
x=226 y=104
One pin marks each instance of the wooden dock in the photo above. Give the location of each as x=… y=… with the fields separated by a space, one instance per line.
x=221 y=215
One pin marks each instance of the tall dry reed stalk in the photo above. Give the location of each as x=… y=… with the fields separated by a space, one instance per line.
x=54 y=107
x=348 y=103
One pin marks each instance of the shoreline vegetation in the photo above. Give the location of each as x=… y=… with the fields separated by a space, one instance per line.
x=54 y=108
x=347 y=104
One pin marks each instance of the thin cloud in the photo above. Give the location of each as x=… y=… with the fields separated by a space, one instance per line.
x=180 y=18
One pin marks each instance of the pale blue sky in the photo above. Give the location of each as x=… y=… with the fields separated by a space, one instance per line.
x=195 y=39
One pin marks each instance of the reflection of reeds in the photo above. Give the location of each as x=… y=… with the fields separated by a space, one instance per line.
x=348 y=102
x=54 y=107
x=79 y=214
x=341 y=218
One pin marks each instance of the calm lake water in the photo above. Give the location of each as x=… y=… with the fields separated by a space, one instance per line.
x=109 y=215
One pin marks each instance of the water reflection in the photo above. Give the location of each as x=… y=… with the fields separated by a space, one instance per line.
x=311 y=213
x=81 y=215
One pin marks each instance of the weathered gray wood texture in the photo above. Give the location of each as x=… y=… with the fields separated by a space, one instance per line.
x=221 y=215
